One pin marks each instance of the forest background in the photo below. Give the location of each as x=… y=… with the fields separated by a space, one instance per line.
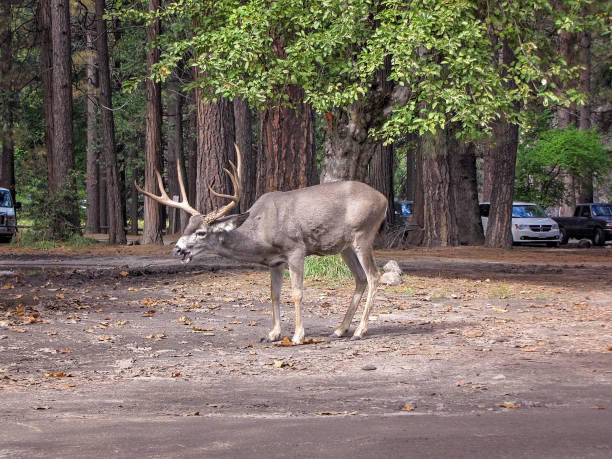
x=442 y=103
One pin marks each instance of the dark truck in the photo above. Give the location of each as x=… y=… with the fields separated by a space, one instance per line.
x=590 y=221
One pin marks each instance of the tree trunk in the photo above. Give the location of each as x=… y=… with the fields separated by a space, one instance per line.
x=504 y=146
x=46 y=76
x=192 y=142
x=63 y=143
x=177 y=218
x=585 y=186
x=286 y=159
x=348 y=149
x=380 y=176
x=503 y=154
x=243 y=122
x=462 y=163
x=7 y=101
x=116 y=231
x=134 y=194
x=439 y=222
x=215 y=150
x=93 y=171
x=152 y=232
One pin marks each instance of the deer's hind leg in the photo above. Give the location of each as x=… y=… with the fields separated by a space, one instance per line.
x=350 y=258
x=366 y=259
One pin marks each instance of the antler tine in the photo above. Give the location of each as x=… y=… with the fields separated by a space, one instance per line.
x=235 y=198
x=164 y=199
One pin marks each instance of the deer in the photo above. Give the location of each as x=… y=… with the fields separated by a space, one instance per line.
x=283 y=227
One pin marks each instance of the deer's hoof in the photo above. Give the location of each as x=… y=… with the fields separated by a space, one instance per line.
x=355 y=337
x=337 y=334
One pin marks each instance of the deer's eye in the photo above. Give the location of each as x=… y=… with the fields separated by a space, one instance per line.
x=201 y=233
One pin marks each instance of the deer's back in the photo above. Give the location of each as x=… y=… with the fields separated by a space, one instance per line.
x=325 y=218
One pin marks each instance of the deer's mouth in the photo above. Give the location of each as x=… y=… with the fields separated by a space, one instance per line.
x=185 y=254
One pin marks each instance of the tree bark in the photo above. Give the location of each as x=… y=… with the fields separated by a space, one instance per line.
x=192 y=149
x=584 y=192
x=503 y=154
x=134 y=194
x=177 y=218
x=439 y=222
x=286 y=159
x=7 y=101
x=462 y=164
x=93 y=170
x=46 y=76
x=504 y=146
x=243 y=122
x=116 y=231
x=215 y=149
x=152 y=232
x=380 y=176
x=63 y=142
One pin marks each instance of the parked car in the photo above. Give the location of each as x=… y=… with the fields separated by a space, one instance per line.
x=591 y=221
x=529 y=224
x=403 y=212
x=8 y=217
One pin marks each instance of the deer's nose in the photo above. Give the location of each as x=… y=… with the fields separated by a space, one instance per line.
x=177 y=251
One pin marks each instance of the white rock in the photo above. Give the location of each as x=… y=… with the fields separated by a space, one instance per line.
x=392 y=267
x=390 y=278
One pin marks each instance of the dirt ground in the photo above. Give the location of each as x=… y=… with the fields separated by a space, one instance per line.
x=110 y=333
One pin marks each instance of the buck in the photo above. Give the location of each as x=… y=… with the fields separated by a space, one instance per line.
x=282 y=228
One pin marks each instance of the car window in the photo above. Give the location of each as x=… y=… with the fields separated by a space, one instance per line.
x=484 y=209
x=527 y=211
x=585 y=211
x=602 y=210
x=5 y=199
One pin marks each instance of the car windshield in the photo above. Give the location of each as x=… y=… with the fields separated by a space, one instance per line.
x=602 y=210
x=528 y=211
x=5 y=199
x=403 y=208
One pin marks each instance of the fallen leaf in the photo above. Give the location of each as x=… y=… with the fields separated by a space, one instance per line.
x=476 y=334
x=64 y=351
x=176 y=374
x=184 y=320
x=123 y=322
x=104 y=338
x=330 y=413
x=279 y=364
x=509 y=405
x=60 y=374
x=407 y=407
x=124 y=273
x=149 y=313
x=313 y=341
x=132 y=289
x=59 y=296
x=234 y=322
x=200 y=329
x=286 y=342
x=18 y=330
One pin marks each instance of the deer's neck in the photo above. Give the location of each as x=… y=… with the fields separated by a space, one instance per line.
x=241 y=246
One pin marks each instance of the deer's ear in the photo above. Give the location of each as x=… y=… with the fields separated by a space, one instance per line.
x=229 y=222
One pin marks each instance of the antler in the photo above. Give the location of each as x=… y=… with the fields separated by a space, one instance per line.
x=235 y=198
x=164 y=199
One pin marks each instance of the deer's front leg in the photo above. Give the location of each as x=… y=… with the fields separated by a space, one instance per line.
x=276 y=284
x=296 y=272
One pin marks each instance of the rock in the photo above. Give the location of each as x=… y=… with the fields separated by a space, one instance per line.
x=584 y=244
x=368 y=368
x=392 y=267
x=390 y=278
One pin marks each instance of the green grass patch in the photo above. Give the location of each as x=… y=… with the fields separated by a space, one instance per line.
x=33 y=239
x=501 y=291
x=328 y=267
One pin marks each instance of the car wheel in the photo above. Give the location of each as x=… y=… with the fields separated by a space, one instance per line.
x=6 y=239
x=564 y=238
x=599 y=238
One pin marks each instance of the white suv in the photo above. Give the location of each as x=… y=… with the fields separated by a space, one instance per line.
x=529 y=224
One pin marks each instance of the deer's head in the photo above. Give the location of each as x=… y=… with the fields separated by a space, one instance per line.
x=203 y=232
